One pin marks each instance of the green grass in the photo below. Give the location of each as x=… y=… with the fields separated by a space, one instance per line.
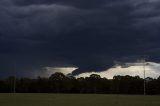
x=77 y=100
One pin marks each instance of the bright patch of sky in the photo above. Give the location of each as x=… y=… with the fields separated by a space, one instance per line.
x=151 y=69
x=133 y=69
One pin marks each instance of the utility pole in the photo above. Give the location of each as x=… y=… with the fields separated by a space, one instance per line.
x=14 y=80
x=144 y=72
x=14 y=87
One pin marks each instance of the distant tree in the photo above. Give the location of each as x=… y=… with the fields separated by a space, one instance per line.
x=57 y=76
x=60 y=83
x=93 y=83
x=127 y=85
x=3 y=86
x=57 y=81
x=95 y=76
x=81 y=85
x=23 y=85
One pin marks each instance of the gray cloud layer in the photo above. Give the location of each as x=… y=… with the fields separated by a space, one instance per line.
x=89 y=34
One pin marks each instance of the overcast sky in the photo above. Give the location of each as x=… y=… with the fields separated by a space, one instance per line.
x=89 y=35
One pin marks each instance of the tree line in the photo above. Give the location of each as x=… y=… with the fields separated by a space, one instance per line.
x=60 y=83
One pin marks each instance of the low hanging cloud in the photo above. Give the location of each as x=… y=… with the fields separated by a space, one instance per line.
x=137 y=69
x=132 y=69
x=48 y=71
x=89 y=35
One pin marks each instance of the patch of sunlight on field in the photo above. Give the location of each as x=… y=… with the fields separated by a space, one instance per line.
x=77 y=100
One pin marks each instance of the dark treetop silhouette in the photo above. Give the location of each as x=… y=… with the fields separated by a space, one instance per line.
x=59 y=83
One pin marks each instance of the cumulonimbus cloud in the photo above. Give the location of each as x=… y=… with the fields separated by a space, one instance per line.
x=90 y=35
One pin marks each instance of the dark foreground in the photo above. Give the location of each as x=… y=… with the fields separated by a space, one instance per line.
x=77 y=100
x=60 y=83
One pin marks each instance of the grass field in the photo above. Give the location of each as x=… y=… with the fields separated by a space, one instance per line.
x=77 y=100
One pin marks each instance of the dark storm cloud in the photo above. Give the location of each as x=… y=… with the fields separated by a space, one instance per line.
x=90 y=35
x=75 y=3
